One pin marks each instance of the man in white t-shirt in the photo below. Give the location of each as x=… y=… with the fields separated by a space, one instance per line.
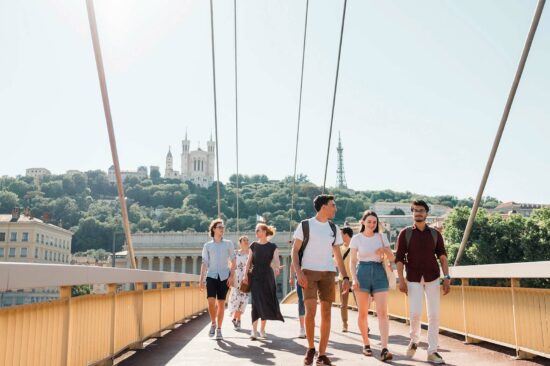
x=316 y=271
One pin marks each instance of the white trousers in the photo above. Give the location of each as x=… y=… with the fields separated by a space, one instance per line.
x=432 y=293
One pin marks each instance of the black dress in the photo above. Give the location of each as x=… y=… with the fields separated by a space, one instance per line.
x=263 y=289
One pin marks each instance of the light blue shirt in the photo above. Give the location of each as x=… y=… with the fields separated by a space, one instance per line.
x=216 y=256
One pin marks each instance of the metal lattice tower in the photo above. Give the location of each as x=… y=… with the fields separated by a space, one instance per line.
x=340 y=175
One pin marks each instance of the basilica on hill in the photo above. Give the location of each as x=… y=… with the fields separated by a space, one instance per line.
x=197 y=166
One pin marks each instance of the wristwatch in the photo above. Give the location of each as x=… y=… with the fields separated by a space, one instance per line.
x=447 y=277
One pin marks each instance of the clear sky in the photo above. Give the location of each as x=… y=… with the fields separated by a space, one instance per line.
x=422 y=89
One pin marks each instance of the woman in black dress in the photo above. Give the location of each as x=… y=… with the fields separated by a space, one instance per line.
x=265 y=264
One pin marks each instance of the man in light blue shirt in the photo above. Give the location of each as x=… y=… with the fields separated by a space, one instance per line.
x=218 y=264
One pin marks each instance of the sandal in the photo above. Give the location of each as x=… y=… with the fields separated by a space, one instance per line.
x=385 y=355
x=367 y=351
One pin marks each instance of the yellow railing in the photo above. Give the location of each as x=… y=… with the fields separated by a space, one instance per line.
x=512 y=316
x=91 y=329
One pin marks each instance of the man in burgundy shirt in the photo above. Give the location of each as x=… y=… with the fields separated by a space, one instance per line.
x=418 y=249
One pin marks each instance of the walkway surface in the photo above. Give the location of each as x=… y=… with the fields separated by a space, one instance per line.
x=190 y=345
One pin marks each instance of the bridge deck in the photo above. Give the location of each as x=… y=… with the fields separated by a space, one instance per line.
x=189 y=345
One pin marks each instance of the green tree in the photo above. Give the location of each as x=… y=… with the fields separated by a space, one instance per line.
x=397 y=211
x=65 y=212
x=92 y=234
x=155 y=176
x=20 y=187
x=8 y=200
x=99 y=184
x=52 y=189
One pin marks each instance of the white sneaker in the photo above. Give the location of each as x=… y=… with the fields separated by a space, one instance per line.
x=302 y=333
x=219 y=334
x=435 y=358
x=254 y=335
x=411 y=349
x=262 y=334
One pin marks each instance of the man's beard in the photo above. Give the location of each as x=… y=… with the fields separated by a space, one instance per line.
x=419 y=220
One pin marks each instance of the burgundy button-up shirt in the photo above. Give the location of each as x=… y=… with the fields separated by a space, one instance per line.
x=420 y=259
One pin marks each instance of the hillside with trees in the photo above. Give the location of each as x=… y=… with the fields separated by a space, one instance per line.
x=86 y=203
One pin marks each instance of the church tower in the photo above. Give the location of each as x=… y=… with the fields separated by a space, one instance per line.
x=185 y=145
x=169 y=170
x=211 y=156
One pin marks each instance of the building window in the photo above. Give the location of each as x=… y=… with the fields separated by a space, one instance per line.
x=42 y=238
x=25 y=237
x=2 y=236
x=11 y=253
x=37 y=238
x=24 y=252
x=1 y=252
x=55 y=257
x=45 y=255
x=36 y=252
x=13 y=236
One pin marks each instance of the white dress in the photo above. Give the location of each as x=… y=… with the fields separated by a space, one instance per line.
x=239 y=300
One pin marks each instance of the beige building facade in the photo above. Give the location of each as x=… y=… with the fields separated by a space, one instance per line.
x=524 y=209
x=140 y=173
x=26 y=239
x=385 y=208
x=37 y=172
x=197 y=166
x=181 y=252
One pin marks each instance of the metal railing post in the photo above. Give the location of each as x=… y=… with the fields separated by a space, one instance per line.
x=65 y=294
x=467 y=339
x=139 y=288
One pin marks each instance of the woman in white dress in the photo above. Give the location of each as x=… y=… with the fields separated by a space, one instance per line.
x=239 y=300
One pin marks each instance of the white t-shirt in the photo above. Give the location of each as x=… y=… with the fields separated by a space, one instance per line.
x=318 y=252
x=366 y=247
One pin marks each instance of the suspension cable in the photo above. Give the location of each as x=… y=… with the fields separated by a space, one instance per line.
x=503 y=120
x=236 y=117
x=110 y=129
x=299 y=118
x=215 y=108
x=334 y=95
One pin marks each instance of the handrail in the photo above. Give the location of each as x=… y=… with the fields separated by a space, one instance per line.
x=17 y=276
x=91 y=329
x=503 y=270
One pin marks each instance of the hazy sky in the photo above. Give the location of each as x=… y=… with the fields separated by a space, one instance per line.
x=422 y=88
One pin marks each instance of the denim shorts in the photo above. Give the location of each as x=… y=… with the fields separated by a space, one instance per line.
x=372 y=277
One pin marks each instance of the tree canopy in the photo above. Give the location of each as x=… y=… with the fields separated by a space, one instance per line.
x=86 y=203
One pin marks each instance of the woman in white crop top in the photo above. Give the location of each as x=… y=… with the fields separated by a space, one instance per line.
x=368 y=249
